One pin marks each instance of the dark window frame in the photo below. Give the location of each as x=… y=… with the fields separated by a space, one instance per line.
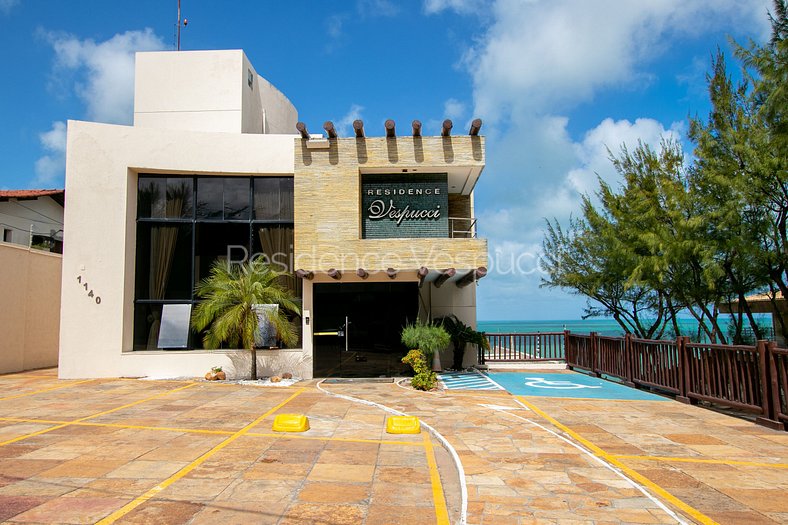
x=194 y=220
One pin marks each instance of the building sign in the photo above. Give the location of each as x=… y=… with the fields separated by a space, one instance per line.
x=413 y=205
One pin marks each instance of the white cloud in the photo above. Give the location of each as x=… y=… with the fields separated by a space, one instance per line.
x=7 y=5
x=104 y=71
x=594 y=158
x=102 y=76
x=453 y=109
x=533 y=64
x=49 y=167
x=556 y=54
x=460 y=6
x=344 y=125
x=334 y=27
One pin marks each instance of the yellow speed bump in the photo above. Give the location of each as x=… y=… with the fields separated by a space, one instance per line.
x=290 y=423
x=403 y=425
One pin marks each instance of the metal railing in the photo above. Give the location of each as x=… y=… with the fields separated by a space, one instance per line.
x=544 y=346
x=462 y=227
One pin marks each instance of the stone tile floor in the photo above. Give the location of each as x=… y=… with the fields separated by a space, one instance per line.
x=132 y=451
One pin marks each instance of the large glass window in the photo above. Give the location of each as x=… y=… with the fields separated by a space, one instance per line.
x=234 y=218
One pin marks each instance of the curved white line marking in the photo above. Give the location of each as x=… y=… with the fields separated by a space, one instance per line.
x=602 y=462
x=438 y=436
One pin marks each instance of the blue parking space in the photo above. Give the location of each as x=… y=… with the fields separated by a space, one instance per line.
x=568 y=385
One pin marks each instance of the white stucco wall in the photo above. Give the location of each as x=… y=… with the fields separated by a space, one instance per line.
x=451 y=300
x=100 y=229
x=207 y=91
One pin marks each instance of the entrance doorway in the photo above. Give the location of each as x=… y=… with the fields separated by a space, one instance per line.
x=357 y=328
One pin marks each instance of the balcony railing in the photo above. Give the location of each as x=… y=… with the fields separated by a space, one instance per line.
x=462 y=227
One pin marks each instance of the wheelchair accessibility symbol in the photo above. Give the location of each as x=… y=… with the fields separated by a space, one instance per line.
x=541 y=382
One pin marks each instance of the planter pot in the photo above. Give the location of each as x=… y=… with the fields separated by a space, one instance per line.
x=436 y=362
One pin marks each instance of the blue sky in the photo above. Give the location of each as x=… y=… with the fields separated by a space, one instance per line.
x=556 y=82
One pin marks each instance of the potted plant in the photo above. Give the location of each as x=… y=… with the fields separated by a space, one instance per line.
x=427 y=337
x=461 y=334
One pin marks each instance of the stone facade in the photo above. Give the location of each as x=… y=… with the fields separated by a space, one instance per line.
x=328 y=211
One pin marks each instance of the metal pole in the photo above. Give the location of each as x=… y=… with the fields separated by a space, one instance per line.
x=179 y=25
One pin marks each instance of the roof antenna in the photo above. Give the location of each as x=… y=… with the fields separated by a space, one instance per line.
x=181 y=23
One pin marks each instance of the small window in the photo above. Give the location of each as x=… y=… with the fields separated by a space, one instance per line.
x=7 y=235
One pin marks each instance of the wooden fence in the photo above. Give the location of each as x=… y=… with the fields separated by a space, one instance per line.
x=749 y=378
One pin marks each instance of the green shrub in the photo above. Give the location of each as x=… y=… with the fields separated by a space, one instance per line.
x=428 y=338
x=424 y=378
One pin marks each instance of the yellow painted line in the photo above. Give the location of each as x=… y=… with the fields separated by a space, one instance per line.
x=658 y=490
x=116 y=425
x=47 y=389
x=340 y=439
x=699 y=460
x=441 y=513
x=112 y=518
x=105 y=412
x=212 y=431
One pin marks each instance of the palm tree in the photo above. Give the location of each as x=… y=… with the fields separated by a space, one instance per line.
x=461 y=334
x=232 y=295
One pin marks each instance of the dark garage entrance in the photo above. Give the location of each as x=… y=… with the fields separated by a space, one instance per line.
x=357 y=328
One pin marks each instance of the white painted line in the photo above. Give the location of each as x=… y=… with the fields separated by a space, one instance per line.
x=602 y=462
x=449 y=448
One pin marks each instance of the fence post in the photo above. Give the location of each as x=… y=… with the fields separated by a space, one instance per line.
x=628 y=360
x=566 y=349
x=770 y=393
x=596 y=355
x=683 y=369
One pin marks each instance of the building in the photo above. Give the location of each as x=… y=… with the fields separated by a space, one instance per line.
x=33 y=218
x=376 y=231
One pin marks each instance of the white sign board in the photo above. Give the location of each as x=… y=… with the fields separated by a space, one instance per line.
x=174 y=329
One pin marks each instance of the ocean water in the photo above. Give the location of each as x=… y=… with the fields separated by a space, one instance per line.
x=606 y=327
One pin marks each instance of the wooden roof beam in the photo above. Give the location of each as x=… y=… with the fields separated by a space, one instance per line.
x=416 y=124
x=358 y=127
x=444 y=276
x=330 y=130
x=471 y=277
x=476 y=125
x=390 y=129
x=361 y=272
x=335 y=274
x=423 y=272
x=303 y=274
x=301 y=127
x=446 y=128
x=392 y=273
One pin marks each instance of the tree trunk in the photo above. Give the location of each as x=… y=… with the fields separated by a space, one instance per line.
x=253 y=351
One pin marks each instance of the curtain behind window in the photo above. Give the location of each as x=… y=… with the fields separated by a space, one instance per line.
x=162 y=248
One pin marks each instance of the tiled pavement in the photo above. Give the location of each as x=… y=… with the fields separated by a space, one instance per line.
x=705 y=466
x=169 y=452
x=130 y=451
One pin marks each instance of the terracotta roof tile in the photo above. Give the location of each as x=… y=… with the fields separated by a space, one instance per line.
x=28 y=194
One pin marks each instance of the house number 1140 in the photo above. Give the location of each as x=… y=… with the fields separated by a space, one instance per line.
x=88 y=290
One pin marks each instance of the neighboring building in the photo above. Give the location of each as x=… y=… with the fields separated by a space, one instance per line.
x=765 y=303
x=33 y=218
x=376 y=231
